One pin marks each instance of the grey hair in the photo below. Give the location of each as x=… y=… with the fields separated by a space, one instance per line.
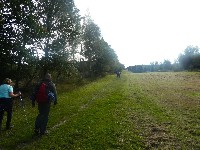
x=47 y=76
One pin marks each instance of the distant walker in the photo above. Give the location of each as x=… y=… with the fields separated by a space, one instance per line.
x=118 y=74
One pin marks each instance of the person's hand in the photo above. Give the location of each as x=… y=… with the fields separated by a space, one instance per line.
x=16 y=95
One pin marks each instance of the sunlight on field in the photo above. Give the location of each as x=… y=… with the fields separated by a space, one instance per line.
x=172 y=102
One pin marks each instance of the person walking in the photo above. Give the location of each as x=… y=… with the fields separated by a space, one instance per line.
x=118 y=74
x=44 y=103
x=6 y=102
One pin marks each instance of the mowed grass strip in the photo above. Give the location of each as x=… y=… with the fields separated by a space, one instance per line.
x=137 y=111
x=91 y=117
x=96 y=122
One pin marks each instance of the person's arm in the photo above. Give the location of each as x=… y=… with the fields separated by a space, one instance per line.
x=11 y=94
x=33 y=95
x=54 y=91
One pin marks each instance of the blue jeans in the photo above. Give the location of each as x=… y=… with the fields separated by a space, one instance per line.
x=42 y=118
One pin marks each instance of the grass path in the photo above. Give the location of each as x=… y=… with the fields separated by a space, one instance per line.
x=137 y=111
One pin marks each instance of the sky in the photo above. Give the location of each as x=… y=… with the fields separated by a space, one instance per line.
x=145 y=31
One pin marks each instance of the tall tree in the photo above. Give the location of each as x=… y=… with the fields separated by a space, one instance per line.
x=166 y=65
x=107 y=60
x=17 y=28
x=61 y=22
x=187 y=59
x=91 y=37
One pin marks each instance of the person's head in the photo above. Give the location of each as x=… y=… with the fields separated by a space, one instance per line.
x=47 y=76
x=7 y=81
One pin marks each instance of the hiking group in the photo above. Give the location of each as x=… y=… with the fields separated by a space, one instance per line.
x=44 y=94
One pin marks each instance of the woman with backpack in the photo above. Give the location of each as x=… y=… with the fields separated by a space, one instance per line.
x=6 y=102
x=43 y=94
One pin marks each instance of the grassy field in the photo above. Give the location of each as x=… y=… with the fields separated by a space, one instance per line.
x=138 y=111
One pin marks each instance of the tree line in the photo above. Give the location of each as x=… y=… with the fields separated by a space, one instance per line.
x=40 y=36
x=188 y=60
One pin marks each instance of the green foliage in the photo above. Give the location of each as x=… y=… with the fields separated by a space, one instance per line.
x=100 y=56
x=61 y=22
x=40 y=36
x=17 y=26
x=190 y=59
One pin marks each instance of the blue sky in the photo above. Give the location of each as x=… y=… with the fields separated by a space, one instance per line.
x=144 y=31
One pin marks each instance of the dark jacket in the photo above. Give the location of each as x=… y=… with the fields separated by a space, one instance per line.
x=50 y=87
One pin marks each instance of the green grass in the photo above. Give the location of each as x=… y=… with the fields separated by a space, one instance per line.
x=137 y=111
